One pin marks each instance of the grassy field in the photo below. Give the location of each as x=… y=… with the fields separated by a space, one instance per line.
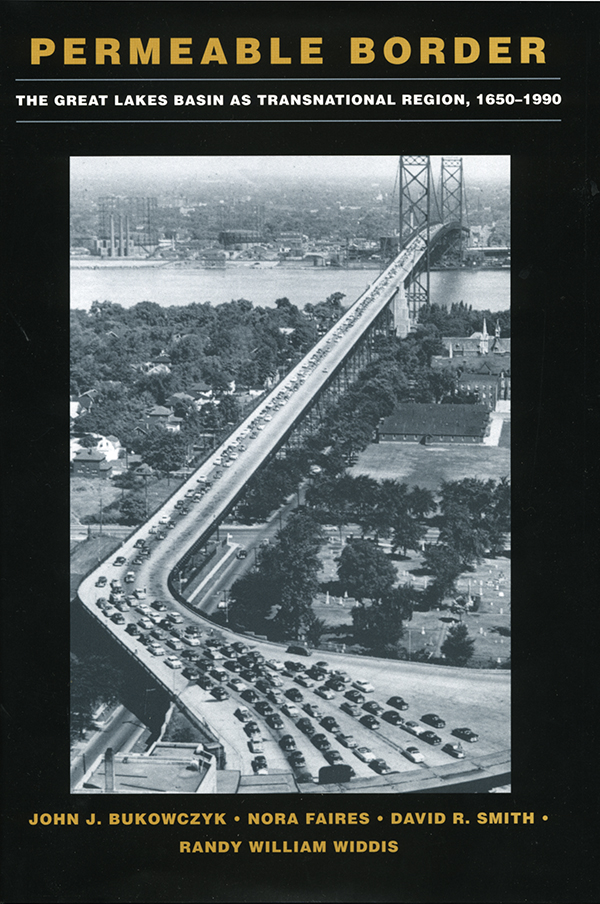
x=491 y=579
x=87 y=495
x=428 y=466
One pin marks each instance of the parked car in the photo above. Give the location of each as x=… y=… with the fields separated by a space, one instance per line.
x=363 y=686
x=243 y=714
x=335 y=684
x=120 y=560
x=392 y=717
x=190 y=673
x=350 y=708
x=102 y=581
x=321 y=742
x=379 y=765
x=346 y=740
x=372 y=707
x=313 y=710
x=324 y=692
x=465 y=734
x=398 y=702
x=355 y=696
x=256 y=745
x=370 y=722
x=306 y=726
x=454 y=749
x=287 y=743
x=413 y=754
x=173 y=662
x=364 y=754
x=333 y=756
x=275 y=721
x=433 y=719
x=252 y=729
x=294 y=694
x=430 y=737
x=412 y=727
x=250 y=696
x=330 y=724
x=296 y=759
x=219 y=693
x=259 y=765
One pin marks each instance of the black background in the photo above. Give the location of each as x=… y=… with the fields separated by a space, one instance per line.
x=554 y=297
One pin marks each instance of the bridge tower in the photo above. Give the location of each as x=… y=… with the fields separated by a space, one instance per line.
x=452 y=200
x=416 y=192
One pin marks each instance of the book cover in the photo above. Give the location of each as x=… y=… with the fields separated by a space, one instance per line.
x=258 y=637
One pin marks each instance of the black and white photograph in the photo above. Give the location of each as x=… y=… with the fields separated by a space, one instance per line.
x=290 y=474
x=261 y=268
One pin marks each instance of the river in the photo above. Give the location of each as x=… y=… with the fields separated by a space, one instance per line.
x=483 y=289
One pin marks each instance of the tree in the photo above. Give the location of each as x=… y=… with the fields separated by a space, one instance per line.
x=94 y=680
x=445 y=565
x=133 y=509
x=364 y=570
x=379 y=627
x=458 y=646
x=162 y=450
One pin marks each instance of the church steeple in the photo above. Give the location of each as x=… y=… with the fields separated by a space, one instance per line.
x=484 y=342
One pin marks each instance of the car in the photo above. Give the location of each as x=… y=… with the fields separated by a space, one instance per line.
x=250 y=696
x=219 y=693
x=233 y=665
x=465 y=734
x=175 y=643
x=239 y=647
x=346 y=740
x=159 y=606
x=129 y=577
x=335 y=684
x=433 y=719
x=355 y=696
x=330 y=724
x=276 y=681
x=324 y=692
x=430 y=737
x=350 y=708
x=370 y=722
x=294 y=694
x=333 y=756
x=190 y=673
x=306 y=727
x=243 y=714
x=102 y=581
x=264 y=685
x=120 y=560
x=259 y=765
x=317 y=673
x=363 y=686
x=256 y=745
x=287 y=743
x=204 y=682
x=118 y=618
x=392 y=717
x=264 y=708
x=145 y=623
x=341 y=676
x=412 y=727
x=313 y=710
x=303 y=681
x=137 y=560
x=380 y=766
x=413 y=754
x=133 y=630
x=372 y=707
x=321 y=742
x=175 y=617
x=173 y=662
x=242 y=553
x=293 y=666
x=218 y=675
x=139 y=544
x=248 y=675
x=364 y=754
x=156 y=649
x=398 y=703
x=252 y=729
x=192 y=639
x=237 y=685
x=191 y=655
x=299 y=650
x=164 y=519
x=454 y=749
x=158 y=634
x=143 y=609
x=275 y=721
x=274 y=664
x=288 y=709
x=296 y=759
x=275 y=696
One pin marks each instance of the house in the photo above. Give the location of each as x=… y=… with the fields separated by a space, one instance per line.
x=90 y=463
x=478 y=343
x=164 y=417
x=415 y=422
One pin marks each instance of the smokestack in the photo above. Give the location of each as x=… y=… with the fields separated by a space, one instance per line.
x=109 y=771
